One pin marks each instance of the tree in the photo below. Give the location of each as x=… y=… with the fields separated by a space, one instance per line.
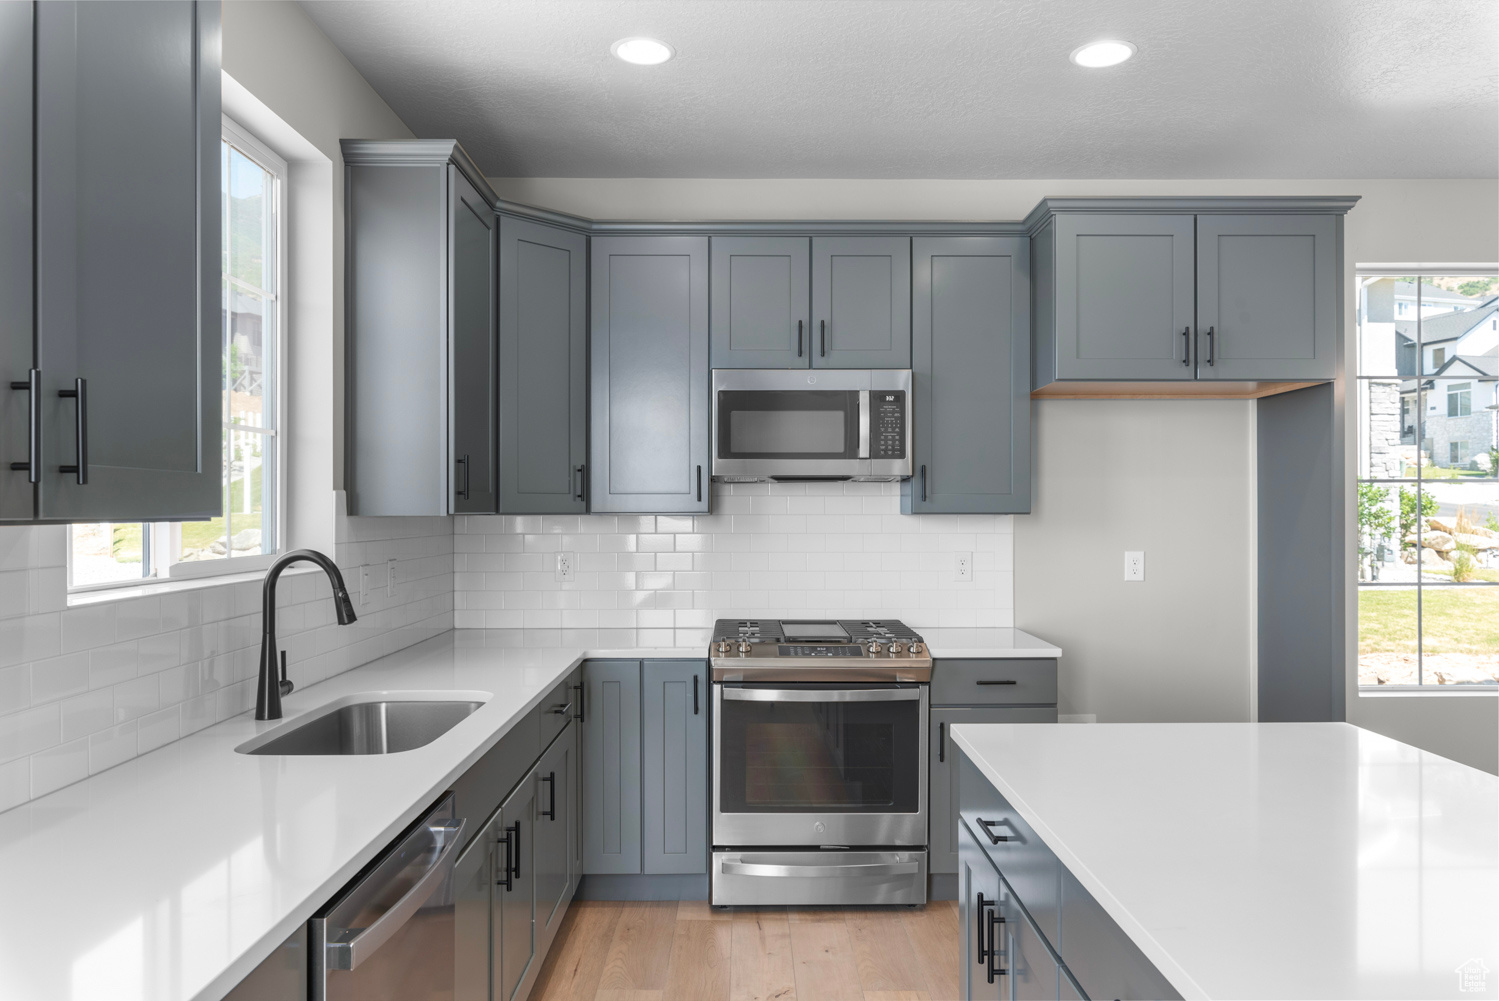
x=1478 y=286
x=1375 y=520
x=1408 y=513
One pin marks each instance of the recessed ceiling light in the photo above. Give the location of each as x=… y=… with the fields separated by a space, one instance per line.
x=642 y=51
x=1096 y=55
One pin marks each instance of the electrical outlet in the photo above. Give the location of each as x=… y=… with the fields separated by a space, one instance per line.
x=962 y=566
x=390 y=577
x=364 y=585
x=566 y=562
x=1134 y=565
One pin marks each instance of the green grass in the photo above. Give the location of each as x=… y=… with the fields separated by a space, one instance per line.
x=1445 y=473
x=1453 y=620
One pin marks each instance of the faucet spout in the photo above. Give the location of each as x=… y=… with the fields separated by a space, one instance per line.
x=272 y=686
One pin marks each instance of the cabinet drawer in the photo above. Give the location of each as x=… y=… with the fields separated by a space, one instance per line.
x=554 y=712
x=1021 y=857
x=1099 y=955
x=994 y=682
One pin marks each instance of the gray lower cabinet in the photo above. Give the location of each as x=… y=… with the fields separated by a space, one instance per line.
x=978 y=922
x=611 y=767
x=1267 y=297
x=556 y=826
x=1032 y=969
x=421 y=328
x=513 y=919
x=648 y=364
x=761 y=301
x=543 y=368
x=861 y=302
x=674 y=773
x=473 y=898
x=126 y=306
x=971 y=375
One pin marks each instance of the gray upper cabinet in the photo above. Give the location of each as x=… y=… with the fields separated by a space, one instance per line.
x=421 y=339
x=127 y=266
x=17 y=502
x=543 y=368
x=649 y=374
x=971 y=376
x=1267 y=289
x=674 y=793
x=611 y=766
x=1124 y=296
x=761 y=301
x=861 y=302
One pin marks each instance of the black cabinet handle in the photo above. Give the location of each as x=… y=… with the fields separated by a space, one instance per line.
x=1211 y=352
x=941 y=741
x=506 y=873
x=980 y=905
x=582 y=482
x=699 y=482
x=33 y=463
x=463 y=461
x=550 y=778
x=923 y=482
x=79 y=395
x=998 y=681
x=798 y=338
x=986 y=923
x=986 y=825
x=995 y=930
x=694 y=695
x=579 y=690
x=1186 y=346
x=823 y=343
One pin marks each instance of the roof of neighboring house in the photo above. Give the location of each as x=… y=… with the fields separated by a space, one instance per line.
x=1432 y=292
x=1448 y=326
x=1480 y=368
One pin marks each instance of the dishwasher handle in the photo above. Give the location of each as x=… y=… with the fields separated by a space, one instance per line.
x=448 y=832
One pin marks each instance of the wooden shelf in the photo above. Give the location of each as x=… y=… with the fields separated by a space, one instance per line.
x=1186 y=390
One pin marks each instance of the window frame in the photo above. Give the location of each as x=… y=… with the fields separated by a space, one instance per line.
x=166 y=536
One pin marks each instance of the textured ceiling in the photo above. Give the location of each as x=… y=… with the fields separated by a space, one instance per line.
x=941 y=88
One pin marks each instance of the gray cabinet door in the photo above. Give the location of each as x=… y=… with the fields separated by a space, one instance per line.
x=970 y=376
x=1124 y=296
x=543 y=368
x=128 y=260
x=978 y=901
x=471 y=353
x=649 y=368
x=861 y=302
x=513 y=918
x=554 y=871
x=761 y=301
x=943 y=756
x=1267 y=291
x=674 y=793
x=16 y=500
x=473 y=877
x=1031 y=967
x=611 y=766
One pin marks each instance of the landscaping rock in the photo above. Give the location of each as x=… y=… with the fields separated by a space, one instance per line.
x=248 y=539
x=1435 y=557
x=1437 y=525
x=217 y=547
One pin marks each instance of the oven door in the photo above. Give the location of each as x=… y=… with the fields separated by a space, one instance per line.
x=819 y=764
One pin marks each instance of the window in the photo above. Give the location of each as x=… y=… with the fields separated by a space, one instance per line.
x=1405 y=308
x=1427 y=500
x=248 y=533
x=1459 y=399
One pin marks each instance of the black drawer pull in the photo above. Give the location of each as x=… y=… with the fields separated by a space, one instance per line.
x=79 y=395
x=506 y=877
x=798 y=338
x=550 y=778
x=33 y=463
x=991 y=961
x=941 y=741
x=694 y=695
x=985 y=826
x=1001 y=681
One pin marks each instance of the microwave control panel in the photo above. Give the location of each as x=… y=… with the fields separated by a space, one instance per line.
x=887 y=433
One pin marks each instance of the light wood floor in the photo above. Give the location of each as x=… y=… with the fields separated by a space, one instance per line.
x=688 y=951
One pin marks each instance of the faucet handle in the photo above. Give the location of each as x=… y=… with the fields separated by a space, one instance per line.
x=286 y=685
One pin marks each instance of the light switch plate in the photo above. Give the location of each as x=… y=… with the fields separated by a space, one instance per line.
x=1134 y=565
x=390 y=577
x=364 y=585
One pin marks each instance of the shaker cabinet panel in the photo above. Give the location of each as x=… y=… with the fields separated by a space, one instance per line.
x=128 y=300
x=1031 y=966
x=555 y=878
x=471 y=277
x=473 y=877
x=1267 y=297
x=513 y=921
x=861 y=302
x=971 y=376
x=611 y=767
x=761 y=301
x=649 y=374
x=16 y=109
x=674 y=794
x=543 y=368
x=978 y=903
x=1124 y=296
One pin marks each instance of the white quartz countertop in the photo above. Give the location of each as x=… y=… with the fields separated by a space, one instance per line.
x=1271 y=860
x=173 y=875
x=1006 y=643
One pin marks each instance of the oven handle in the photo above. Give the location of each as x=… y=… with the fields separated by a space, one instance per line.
x=729 y=868
x=821 y=695
x=863 y=424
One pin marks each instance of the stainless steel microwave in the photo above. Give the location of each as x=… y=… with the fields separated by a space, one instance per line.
x=822 y=424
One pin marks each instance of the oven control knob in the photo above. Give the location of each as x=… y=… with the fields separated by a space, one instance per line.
x=897 y=648
x=917 y=649
x=723 y=647
x=874 y=646
x=744 y=646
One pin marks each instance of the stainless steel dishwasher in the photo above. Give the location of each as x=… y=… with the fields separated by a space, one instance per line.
x=389 y=936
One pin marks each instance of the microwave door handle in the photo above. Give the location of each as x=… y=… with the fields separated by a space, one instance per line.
x=863 y=423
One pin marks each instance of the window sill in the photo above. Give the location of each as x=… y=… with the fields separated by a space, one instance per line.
x=1429 y=691
x=156 y=588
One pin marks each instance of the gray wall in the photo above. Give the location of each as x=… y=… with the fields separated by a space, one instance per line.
x=1169 y=477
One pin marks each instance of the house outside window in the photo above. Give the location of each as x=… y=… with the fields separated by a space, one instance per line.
x=1427 y=496
x=247 y=536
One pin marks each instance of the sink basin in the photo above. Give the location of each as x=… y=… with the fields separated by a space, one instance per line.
x=378 y=725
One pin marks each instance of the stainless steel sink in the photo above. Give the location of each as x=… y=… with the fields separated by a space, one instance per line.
x=374 y=727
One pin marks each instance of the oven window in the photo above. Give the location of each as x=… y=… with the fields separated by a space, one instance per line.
x=811 y=424
x=820 y=757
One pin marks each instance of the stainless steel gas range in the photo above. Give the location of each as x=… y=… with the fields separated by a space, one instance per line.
x=819 y=762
